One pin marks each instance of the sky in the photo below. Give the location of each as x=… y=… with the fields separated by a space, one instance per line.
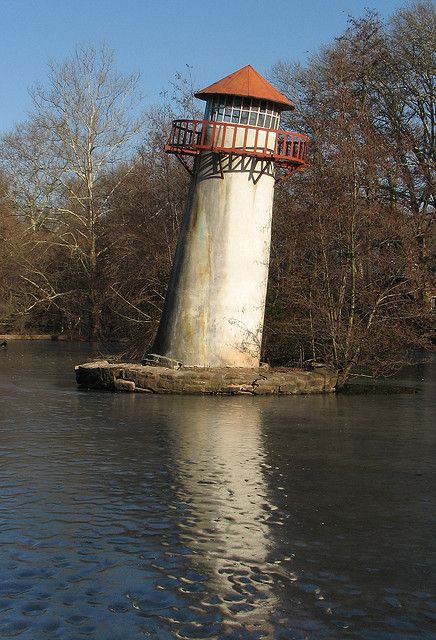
x=159 y=38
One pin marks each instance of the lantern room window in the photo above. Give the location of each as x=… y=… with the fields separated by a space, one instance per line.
x=257 y=113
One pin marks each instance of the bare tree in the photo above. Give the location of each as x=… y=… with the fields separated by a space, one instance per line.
x=24 y=155
x=348 y=281
x=85 y=124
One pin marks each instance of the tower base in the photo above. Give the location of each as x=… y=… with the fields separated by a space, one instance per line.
x=202 y=381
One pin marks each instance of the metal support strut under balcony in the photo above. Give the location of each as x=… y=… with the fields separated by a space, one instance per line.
x=182 y=161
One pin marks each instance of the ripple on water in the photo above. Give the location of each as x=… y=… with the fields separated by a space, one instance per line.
x=132 y=517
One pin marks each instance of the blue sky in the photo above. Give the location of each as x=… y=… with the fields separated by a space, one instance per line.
x=159 y=37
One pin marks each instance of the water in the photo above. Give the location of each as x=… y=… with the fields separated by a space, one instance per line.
x=125 y=517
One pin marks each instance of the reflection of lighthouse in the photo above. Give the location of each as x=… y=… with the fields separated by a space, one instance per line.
x=213 y=314
x=219 y=475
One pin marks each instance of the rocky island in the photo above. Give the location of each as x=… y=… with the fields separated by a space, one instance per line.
x=263 y=380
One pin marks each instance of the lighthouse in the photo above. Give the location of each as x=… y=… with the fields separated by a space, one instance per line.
x=214 y=308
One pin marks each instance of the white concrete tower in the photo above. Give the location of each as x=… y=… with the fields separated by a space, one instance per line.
x=215 y=303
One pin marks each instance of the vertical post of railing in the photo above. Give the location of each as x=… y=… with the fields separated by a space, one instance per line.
x=255 y=139
x=298 y=147
x=202 y=133
x=224 y=135
x=235 y=130
x=214 y=133
x=216 y=138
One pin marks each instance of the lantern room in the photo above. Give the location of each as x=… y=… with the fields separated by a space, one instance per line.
x=242 y=116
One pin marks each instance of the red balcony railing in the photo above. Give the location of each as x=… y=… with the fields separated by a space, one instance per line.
x=286 y=149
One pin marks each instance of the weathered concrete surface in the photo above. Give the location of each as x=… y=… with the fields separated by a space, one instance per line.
x=215 y=303
x=194 y=380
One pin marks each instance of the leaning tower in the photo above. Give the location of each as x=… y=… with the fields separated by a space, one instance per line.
x=215 y=303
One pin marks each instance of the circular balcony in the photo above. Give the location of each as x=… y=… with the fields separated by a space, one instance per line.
x=285 y=149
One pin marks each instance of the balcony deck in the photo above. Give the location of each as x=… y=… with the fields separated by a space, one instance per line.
x=286 y=149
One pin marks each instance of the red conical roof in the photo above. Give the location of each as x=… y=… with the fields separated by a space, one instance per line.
x=248 y=83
